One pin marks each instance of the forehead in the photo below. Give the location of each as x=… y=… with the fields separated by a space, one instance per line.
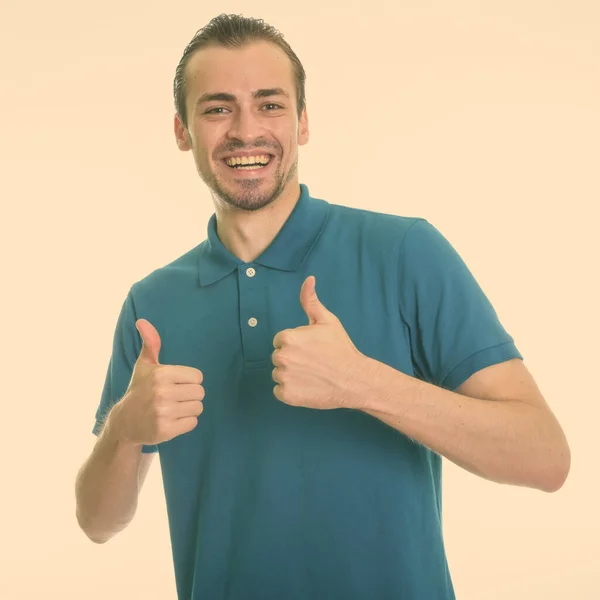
x=239 y=70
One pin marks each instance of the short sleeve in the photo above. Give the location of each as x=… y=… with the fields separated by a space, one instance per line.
x=454 y=329
x=126 y=348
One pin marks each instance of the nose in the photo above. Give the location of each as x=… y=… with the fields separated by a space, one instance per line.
x=245 y=126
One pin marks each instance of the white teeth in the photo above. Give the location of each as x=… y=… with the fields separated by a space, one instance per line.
x=262 y=159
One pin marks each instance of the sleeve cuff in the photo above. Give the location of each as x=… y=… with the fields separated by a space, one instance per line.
x=479 y=360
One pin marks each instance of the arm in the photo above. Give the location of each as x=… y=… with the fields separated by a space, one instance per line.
x=109 y=482
x=496 y=422
x=496 y=425
x=160 y=403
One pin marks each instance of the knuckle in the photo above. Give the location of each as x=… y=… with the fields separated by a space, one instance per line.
x=160 y=395
x=192 y=423
x=160 y=410
x=156 y=400
x=155 y=376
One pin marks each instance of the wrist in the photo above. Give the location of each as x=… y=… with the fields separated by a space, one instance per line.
x=361 y=382
x=115 y=429
x=373 y=382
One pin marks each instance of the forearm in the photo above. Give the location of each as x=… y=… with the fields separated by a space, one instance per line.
x=504 y=441
x=107 y=486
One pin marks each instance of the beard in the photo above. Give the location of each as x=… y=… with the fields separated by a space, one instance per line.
x=248 y=194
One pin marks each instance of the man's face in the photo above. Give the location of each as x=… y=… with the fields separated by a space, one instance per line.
x=243 y=102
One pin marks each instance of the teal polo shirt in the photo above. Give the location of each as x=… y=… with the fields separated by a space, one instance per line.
x=267 y=501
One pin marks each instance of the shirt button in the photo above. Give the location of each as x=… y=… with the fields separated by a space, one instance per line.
x=252 y=322
x=250 y=272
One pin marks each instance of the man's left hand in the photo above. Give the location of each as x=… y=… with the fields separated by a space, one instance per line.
x=316 y=365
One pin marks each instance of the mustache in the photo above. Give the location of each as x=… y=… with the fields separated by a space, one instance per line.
x=266 y=148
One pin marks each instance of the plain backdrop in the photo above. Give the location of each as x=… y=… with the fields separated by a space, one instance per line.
x=482 y=117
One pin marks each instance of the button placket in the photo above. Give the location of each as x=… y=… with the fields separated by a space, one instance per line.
x=253 y=320
x=251 y=272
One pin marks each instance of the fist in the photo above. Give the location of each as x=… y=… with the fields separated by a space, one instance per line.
x=162 y=401
x=316 y=365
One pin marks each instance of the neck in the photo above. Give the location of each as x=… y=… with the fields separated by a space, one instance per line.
x=248 y=234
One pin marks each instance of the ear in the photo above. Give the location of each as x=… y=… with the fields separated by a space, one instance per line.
x=303 y=128
x=182 y=136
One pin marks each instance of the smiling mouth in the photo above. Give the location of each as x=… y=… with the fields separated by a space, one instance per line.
x=251 y=163
x=256 y=167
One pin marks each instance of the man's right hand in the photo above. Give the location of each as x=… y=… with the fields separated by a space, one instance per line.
x=162 y=401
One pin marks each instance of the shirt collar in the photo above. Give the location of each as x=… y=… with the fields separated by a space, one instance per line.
x=286 y=252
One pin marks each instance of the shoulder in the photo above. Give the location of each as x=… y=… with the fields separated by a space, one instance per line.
x=373 y=225
x=171 y=275
x=425 y=245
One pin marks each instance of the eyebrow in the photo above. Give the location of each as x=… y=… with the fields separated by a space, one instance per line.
x=226 y=97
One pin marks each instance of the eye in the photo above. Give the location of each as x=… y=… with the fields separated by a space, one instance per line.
x=223 y=108
x=212 y=110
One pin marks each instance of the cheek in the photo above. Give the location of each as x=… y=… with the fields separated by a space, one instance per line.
x=206 y=152
x=204 y=143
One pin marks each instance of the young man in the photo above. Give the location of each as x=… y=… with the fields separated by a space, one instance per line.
x=301 y=436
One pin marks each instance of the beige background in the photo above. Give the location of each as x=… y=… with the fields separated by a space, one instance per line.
x=482 y=117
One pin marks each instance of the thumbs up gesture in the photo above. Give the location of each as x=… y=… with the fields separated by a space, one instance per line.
x=162 y=401
x=317 y=365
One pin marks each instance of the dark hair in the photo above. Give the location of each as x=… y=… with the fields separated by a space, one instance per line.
x=234 y=31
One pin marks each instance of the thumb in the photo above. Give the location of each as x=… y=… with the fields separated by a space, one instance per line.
x=315 y=311
x=150 y=342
